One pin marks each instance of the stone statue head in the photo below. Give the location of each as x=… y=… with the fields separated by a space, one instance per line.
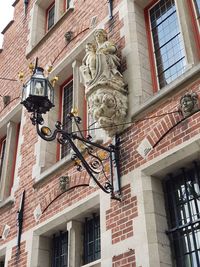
x=90 y=47
x=100 y=35
x=109 y=108
x=189 y=104
x=64 y=183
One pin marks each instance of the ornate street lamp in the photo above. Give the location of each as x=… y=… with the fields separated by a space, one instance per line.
x=38 y=98
x=38 y=93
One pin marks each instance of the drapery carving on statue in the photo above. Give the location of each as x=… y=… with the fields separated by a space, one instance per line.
x=109 y=108
x=100 y=64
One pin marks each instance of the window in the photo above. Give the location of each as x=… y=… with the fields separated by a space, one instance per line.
x=92 y=240
x=197 y=6
x=44 y=15
x=8 y=152
x=1 y=263
x=183 y=206
x=67 y=107
x=60 y=250
x=50 y=16
x=168 y=48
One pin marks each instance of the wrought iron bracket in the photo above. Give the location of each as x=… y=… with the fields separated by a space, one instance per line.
x=100 y=162
x=20 y=216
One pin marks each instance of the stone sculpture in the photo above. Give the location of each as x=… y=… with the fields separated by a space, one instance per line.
x=189 y=104
x=105 y=88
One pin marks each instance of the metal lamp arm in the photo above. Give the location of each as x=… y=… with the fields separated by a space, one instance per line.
x=47 y=138
x=83 y=161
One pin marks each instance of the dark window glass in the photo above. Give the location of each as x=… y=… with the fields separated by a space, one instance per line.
x=1 y=263
x=183 y=206
x=67 y=107
x=92 y=239
x=50 y=17
x=197 y=5
x=2 y=155
x=167 y=40
x=60 y=250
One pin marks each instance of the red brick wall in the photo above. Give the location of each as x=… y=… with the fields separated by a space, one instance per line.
x=18 y=260
x=119 y=218
x=126 y=259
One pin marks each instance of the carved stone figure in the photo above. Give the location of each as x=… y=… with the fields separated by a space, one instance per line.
x=109 y=109
x=88 y=68
x=189 y=104
x=104 y=85
x=64 y=183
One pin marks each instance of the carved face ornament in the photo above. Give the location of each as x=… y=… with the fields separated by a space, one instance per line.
x=187 y=104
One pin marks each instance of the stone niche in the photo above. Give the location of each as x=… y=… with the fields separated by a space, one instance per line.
x=104 y=86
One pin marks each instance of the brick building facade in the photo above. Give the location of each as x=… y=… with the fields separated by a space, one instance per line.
x=156 y=223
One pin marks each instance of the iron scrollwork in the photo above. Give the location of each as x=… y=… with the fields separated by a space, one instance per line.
x=100 y=162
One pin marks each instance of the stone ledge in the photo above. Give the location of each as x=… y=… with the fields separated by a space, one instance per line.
x=44 y=175
x=54 y=27
x=96 y=263
x=7 y=202
x=193 y=71
x=7 y=26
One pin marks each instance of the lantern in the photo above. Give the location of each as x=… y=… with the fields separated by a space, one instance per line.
x=38 y=93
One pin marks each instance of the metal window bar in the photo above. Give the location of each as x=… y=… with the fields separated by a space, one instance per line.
x=182 y=203
x=92 y=239
x=2 y=155
x=60 y=250
x=67 y=107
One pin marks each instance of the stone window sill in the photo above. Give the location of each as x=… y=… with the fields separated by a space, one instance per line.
x=96 y=263
x=54 y=27
x=44 y=175
x=7 y=202
x=192 y=72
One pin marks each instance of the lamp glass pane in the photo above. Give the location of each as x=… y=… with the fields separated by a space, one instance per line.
x=39 y=87
x=26 y=91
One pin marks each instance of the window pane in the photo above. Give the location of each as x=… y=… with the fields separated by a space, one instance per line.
x=67 y=107
x=168 y=43
x=92 y=240
x=50 y=17
x=60 y=250
x=183 y=202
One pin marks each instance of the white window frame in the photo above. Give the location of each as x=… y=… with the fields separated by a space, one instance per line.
x=38 y=20
x=9 y=128
x=71 y=220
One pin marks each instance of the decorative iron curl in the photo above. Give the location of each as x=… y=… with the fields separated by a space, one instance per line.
x=95 y=165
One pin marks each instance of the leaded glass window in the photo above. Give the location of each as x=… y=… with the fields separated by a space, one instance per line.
x=50 y=16
x=60 y=250
x=92 y=239
x=167 y=42
x=67 y=107
x=183 y=207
